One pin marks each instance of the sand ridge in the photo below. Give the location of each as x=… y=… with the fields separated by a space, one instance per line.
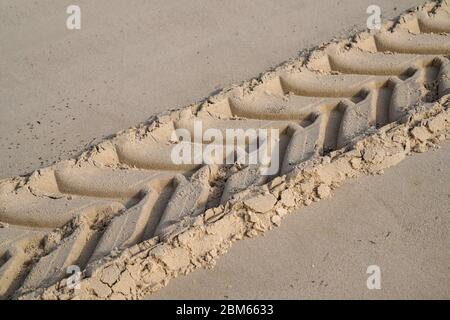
x=104 y=210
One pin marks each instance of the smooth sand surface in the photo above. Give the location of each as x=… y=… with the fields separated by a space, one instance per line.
x=399 y=221
x=61 y=90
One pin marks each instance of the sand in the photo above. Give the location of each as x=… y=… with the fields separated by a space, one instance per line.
x=132 y=219
x=130 y=61
x=323 y=251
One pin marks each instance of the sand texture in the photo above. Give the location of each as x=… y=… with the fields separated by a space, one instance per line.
x=132 y=219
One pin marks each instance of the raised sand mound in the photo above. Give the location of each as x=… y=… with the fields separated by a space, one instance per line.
x=132 y=219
